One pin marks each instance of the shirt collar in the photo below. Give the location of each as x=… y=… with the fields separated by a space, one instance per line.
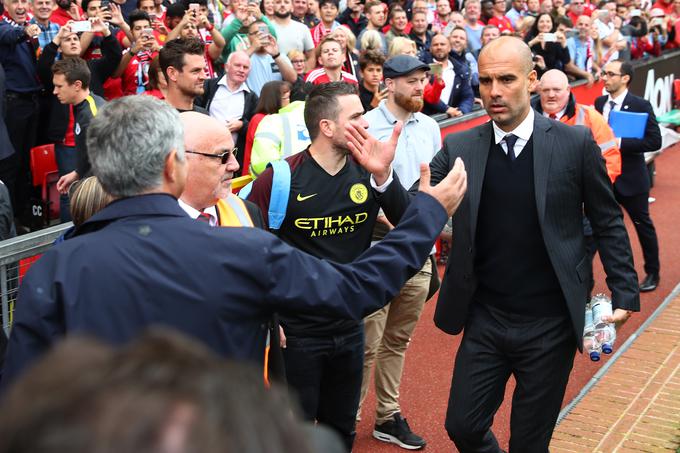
x=618 y=99
x=523 y=131
x=382 y=106
x=223 y=82
x=558 y=115
x=194 y=213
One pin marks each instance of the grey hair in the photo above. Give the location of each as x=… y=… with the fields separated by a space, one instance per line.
x=128 y=142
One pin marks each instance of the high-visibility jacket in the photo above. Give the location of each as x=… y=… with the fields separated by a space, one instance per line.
x=279 y=136
x=602 y=133
x=233 y=212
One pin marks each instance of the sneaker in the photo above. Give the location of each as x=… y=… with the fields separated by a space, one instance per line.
x=398 y=432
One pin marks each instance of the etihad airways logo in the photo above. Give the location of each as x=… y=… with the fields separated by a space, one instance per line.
x=332 y=225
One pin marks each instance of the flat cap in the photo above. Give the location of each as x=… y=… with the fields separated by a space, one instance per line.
x=402 y=65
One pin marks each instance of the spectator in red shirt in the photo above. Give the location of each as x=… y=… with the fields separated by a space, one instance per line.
x=67 y=10
x=330 y=58
x=499 y=18
x=329 y=14
x=134 y=66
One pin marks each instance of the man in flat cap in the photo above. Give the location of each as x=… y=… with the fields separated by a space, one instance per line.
x=389 y=330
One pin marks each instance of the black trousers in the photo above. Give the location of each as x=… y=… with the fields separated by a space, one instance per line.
x=637 y=207
x=22 y=126
x=539 y=352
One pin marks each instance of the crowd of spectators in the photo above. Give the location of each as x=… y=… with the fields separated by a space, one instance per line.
x=244 y=45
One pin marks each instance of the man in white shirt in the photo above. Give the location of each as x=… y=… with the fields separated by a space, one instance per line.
x=388 y=331
x=229 y=100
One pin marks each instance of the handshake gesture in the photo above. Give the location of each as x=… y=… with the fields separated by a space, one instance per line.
x=376 y=157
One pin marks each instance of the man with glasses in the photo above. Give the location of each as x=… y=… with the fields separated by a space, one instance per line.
x=632 y=187
x=211 y=165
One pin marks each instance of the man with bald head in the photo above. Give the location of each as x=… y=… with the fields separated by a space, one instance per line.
x=517 y=277
x=211 y=164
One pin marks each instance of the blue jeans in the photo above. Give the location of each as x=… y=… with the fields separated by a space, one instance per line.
x=326 y=372
x=66 y=163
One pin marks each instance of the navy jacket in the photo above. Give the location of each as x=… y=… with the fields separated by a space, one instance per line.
x=142 y=261
x=462 y=96
x=17 y=55
x=6 y=147
x=634 y=178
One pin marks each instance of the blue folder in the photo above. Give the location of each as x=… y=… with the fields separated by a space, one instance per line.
x=628 y=124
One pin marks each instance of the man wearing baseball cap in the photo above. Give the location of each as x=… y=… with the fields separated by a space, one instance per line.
x=389 y=330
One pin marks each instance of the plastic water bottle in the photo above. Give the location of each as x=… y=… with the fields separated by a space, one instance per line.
x=590 y=342
x=604 y=331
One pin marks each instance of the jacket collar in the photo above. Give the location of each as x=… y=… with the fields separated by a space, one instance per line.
x=155 y=204
x=569 y=111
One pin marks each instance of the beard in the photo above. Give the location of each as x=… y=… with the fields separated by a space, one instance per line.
x=408 y=103
x=282 y=15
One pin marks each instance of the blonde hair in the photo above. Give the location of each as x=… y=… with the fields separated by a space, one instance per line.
x=87 y=198
x=400 y=46
x=371 y=40
x=351 y=39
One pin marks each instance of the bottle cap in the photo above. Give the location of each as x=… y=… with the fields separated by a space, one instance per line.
x=595 y=356
x=607 y=348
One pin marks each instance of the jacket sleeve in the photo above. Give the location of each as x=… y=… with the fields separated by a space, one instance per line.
x=38 y=323
x=467 y=96
x=606 y=218
x=10 y=35
x=357 y=289
x=652 y=139
x=112 y=53
x=44 y=67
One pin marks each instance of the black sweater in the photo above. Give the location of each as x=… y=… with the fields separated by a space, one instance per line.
x=512 y=264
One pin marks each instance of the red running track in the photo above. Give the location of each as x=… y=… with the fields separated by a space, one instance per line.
x=429 y=363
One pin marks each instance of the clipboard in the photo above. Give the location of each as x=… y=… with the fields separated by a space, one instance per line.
x=628 y=124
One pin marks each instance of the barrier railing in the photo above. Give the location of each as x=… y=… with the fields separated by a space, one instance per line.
x=16 y=256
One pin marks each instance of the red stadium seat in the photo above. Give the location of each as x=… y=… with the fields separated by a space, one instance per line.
x=45 y=176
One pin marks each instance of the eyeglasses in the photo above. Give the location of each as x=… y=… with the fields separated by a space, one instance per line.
x=223 y=156
x=609 y=74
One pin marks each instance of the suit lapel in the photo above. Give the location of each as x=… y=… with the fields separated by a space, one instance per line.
x=625 y=105
x=478 y=157
x=543 y=149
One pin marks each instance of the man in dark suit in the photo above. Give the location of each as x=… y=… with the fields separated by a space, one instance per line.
x=632 y=187
x=518 y=275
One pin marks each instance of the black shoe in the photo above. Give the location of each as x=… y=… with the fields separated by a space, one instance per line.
x=398 y=432
x=650 y=283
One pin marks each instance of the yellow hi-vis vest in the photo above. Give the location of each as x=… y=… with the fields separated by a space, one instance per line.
x=232 y=212
x=279 y=136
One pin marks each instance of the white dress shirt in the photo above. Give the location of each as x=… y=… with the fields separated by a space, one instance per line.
x=619 y=102
x=228 y=105
x=448 y=76
x=558 y=115
x=194 y=213
x=522 y=132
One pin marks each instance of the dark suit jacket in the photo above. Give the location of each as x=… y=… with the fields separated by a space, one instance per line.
x=569 y=175
x=634 y=178
x=462 y=96
x=6 y=147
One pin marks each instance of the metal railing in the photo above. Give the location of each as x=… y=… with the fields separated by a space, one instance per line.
x=12 y=252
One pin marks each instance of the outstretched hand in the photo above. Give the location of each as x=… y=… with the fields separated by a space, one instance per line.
x=450 y=190
x=375 y=156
